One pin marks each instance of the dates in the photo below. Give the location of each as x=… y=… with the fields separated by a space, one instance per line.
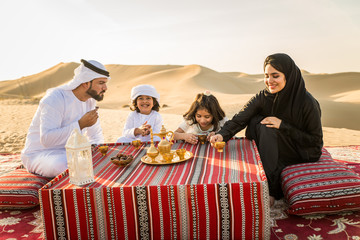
x=122 y=159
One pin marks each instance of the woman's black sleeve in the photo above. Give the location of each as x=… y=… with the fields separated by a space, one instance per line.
x=241 y=119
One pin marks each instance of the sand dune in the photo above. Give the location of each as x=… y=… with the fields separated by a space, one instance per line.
x=338 y=94
x=347 y=97
x=37 y=84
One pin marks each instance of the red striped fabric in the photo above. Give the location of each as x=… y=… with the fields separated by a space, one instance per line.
x=325 y=186
x=213 y=195
x=19 y=189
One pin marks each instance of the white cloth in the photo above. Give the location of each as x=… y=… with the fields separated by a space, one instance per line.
x=145 y=89
x=195 y=128
x=135 y=120
x=83 y=74
x=57 y=115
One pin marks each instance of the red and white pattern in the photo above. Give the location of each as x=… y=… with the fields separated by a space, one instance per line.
x=213 y=195
x=348 y=153
x=325 y=186
x=19 y=224
x=19 y=189
x=336 y=226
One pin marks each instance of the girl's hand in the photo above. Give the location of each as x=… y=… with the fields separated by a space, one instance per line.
x=271 y=122
x=190 y=138
x=216 y=138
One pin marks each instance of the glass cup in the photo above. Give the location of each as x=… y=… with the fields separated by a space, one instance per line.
x=202 y=138
x=103 y=150
x=136 y=143
x=181 y=153
x=219 y=146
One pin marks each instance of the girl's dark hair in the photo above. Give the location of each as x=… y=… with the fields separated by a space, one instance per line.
x=134 y=106
x=208 y=102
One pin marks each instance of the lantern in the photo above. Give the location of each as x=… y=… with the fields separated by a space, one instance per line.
x=79 y=159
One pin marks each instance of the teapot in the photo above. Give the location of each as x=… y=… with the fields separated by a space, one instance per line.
x=164 y=145
x=163 y=134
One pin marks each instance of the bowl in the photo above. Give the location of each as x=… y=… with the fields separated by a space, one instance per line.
x=122 y=159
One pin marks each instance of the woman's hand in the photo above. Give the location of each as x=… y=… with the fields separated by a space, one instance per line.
x=216 y=138
x=271 y=122
x=210 y=135
x=190 y=138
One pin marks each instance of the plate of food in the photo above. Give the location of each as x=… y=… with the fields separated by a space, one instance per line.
x=122 y=159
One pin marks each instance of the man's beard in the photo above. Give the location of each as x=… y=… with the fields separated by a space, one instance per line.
x=94 y=95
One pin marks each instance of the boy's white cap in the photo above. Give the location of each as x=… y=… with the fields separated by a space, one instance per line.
x=145 y=89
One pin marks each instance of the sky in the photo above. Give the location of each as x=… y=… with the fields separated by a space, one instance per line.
x=322 y=36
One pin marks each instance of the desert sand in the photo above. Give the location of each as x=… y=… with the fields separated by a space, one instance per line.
x=338 y=94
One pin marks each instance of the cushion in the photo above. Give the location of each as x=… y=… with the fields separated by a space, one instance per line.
x=19 y=189
x=325 y=186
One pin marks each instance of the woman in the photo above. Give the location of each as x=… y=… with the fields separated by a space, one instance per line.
x=284 y=119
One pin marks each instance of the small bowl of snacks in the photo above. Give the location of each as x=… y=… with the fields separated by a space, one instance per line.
x=122 y=159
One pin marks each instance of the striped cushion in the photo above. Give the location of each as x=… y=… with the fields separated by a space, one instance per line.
x=19 y=189
x=325 y=186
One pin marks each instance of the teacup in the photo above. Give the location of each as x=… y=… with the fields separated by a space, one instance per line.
x=181 y=153
x=202 y=138
x=136 y=143
x=168 y=157
x=152 y=155
x=103 y=150
x=219 y=146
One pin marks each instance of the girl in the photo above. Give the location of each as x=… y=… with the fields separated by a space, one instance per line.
x=145 y=107
x=284 y=119
x=204 y=116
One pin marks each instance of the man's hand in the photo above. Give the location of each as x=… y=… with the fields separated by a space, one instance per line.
x=88 y=119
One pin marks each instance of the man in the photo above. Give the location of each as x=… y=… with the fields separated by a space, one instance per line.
x=60 y=111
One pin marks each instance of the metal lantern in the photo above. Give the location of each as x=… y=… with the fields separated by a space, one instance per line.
x=79 y=159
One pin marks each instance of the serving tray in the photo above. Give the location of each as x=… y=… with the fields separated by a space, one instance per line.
x=160 y=161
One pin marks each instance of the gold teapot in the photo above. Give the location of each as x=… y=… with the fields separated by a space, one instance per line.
x=164 y=145
x=163 y=134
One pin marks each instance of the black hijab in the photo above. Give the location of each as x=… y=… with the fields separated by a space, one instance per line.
x=289 y=101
